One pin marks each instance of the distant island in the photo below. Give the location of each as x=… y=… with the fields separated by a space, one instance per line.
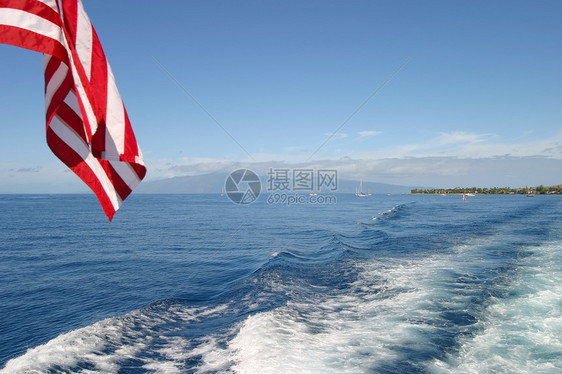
x=540 y=190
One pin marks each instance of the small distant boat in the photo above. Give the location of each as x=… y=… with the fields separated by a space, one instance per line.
x=359 y=191
x=530 y=193
x=313 y=194
x=470 y=194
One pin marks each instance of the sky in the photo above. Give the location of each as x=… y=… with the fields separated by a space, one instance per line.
x=417 y=93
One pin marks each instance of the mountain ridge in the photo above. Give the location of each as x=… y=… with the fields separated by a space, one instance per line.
x=214 y=183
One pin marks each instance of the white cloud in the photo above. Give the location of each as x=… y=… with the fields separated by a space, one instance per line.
x=368 y=133
x=52 y=177
x=445 y=159
x=337 y=135
x=461 y=137
x=411 y=171
x=468 y=145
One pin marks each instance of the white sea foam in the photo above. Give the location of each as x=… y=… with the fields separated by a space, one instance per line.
x=396 y=307
x=391 y=308
x=82 y=345
x=390 y=212
x=105 y=345
x=520 y=333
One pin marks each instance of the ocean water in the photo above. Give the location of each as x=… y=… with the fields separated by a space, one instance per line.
x=197 y=284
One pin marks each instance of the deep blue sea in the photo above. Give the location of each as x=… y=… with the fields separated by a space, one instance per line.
x=197 y=284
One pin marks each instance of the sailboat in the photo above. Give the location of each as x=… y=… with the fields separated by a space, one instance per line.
x=359 y=191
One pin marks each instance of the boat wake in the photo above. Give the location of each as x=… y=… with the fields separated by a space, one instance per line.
x=435 y=298
x=390 y=213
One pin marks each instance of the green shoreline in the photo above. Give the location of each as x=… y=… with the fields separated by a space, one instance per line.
x=540 y=190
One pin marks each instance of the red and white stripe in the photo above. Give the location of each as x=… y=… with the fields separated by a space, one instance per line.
x=87 y=125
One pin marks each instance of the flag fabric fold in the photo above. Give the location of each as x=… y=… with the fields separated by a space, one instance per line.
x=87 y=125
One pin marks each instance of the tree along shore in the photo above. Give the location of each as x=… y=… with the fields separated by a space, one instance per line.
x=540 y=190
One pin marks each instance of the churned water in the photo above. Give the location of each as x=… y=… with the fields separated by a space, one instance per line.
x=196 y=284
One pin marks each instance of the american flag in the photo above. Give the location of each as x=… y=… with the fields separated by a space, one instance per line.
x=87 y=125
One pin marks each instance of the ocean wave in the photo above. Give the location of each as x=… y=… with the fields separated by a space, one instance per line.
x=409 y=315
x=393 y=212
x=142 y=340
x=404 y=295
x=521 y=332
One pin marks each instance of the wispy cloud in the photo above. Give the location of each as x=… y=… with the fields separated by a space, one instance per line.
x=51 y=177
x=368 y=133
x=468 y=145
x=461 y=137
x=340 y=135
x=411 y=171
x=35 y=169
x=444 y=159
